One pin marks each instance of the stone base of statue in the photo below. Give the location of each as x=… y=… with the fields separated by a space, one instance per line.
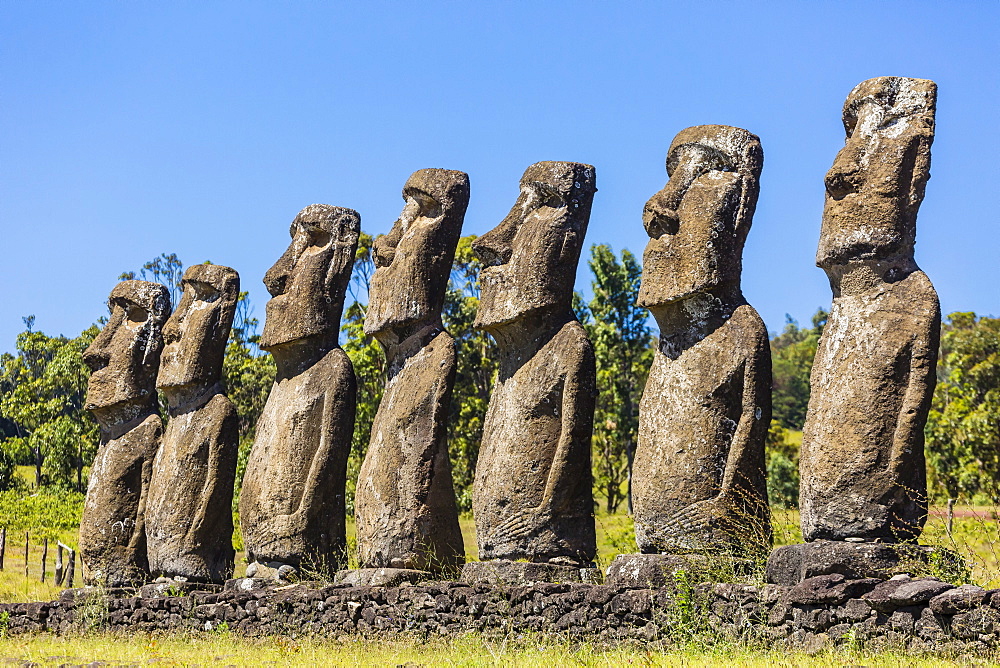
x=650 y=571
x=382 y=577
x=250 y=584
x=171 y=587
x=791 y=564
x=516 y=573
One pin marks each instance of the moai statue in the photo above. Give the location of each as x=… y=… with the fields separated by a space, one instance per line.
x=189 y=517
x=405 y=505
x=292 y=509
x=698 y=475
x=862 y=458
x=122 y=396
x=533 y=499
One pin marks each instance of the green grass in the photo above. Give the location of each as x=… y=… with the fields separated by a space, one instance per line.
x=528 y=651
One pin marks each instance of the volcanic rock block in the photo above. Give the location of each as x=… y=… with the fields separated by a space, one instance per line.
x=698 y=476
x=504 y=572
x=292 y=504
x=122 y=396
x=381 y=577
x=533 y=497
x=189 y=518
x=407 y=516
x=862 y=456
x=790 y=564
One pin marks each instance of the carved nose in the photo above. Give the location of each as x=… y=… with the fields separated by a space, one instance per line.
x=96 y=359
x=276 y=278
x=840 y=183
x=492 y=255
x=658 y=217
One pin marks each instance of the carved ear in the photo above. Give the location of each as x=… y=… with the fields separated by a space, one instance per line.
x=921 y=171
x=567 y=254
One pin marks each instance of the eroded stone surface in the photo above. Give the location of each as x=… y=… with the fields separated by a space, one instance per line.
x=405 y=508
x=121 y=394
x=698 y=478
x=862 y=456
x=503 y=572
x=381 y=577
x=189 y=519
x=790 y=564
x=292 y=505
x=533 y=497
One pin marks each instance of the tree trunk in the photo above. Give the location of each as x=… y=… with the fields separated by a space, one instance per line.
x=38 y=467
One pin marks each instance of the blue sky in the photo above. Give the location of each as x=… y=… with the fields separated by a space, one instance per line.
x=128 y=129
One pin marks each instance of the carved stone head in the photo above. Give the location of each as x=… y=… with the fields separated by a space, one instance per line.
x=413 y=261
x=195 y=336
x=530 y=258
x=698 y=223
x=308 y=283
x=125 y=355
x=877 y=181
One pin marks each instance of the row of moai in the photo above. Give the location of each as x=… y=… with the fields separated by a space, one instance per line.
x=159 y=500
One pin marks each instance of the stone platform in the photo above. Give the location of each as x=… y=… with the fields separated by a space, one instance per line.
x=792 y=564
x=517 y=573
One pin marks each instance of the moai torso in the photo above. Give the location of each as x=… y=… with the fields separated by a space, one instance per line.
x=405 y=505
x=698 y=478
x=862 y=460
x=292 y=508
x=533 y=498
x=122 y=395
x=189 y=528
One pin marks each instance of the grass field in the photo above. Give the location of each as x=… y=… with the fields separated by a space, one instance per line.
x=224 y=649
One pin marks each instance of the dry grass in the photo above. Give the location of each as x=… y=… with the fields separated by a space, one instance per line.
x=225 y=649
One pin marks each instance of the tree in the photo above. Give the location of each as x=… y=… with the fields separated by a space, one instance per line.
x=43 y=392
x=792 y=354
x=475 y=374
x=623 y=349
x=963 y=427
x=366 y=357
x=166 y=269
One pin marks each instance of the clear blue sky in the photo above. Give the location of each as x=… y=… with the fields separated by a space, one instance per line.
x=128 y=129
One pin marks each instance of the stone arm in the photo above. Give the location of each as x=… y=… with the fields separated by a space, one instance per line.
x=920 y=381
x=571 y=460
x=744 y=464
x=221 y=455
x=336 y=405
x=145 y=475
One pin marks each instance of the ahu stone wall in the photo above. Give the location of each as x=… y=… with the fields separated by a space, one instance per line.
x=920 y=614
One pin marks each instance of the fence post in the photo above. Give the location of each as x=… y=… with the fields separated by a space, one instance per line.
x=45 y=556
x=3 y=544
x=59 y=564
x=70 y=568
x=951 y=515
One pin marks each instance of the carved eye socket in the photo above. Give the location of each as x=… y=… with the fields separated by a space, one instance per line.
x=136 y=314
x=318 y=238
x=544 y=195
x=203 y=291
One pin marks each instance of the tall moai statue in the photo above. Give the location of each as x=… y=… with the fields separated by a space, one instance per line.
x=533 y=499
x=405 y=505
x=121 y=394
x=292 y=509
x=698 y=475
x=189 y=517
x=862 y=457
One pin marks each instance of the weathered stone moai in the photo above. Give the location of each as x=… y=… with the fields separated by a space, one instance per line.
x=698 y=475
x=121 y=394
x=533 y=497
x=189 y=517
x=405 y=505
x=862 y=458
x=292 y=510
